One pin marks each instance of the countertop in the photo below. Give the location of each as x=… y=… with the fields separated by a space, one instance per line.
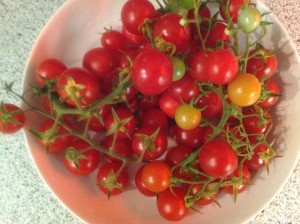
x=23 y=196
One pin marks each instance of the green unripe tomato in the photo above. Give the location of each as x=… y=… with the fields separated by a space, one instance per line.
x=249 y=19
x=178 y=68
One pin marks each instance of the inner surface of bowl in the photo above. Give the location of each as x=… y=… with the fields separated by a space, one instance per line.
x=74 y=29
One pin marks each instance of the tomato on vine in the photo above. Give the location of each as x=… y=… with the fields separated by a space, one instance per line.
x=187 y=117
x=12 y=118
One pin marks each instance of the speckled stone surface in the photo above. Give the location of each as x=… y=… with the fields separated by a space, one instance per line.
x=23 y=196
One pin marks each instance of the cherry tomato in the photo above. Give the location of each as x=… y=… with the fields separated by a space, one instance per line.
x=120 y=121
x=113 y=40
x=140 y=185
x=209 y=194
x=187 y=117
x=179 y=68
x=271 y=88
x=204 y=14
x=211 y=105
x=234 y=9
x=121 y=147
x=155 y=77
x=99 y=61
x=133 y=39
x=168 y=104
x=12 y=118
x=154 y=118
x=156 y=176
x=78 y=86
x=134 y=13
x=184 y=89
x=253 y=124
x=49 y=136
x=177 y=154
x=218 y=70
x=216 y=35
x=262 y=66
x=190 y=138
x=217 y=159
x=244 y=90
x=146 y=102
x=256 y=162
x=81 y=164
x=237 y=184
x=49 y=69
x=249 y=19
x=171 y=204
x=169 y=28
x=149 y=143
x=107 y=180
x=196 y=65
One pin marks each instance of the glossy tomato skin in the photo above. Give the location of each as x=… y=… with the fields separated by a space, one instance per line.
x=168 y=104
x=256 y=162
x=196 y=65
x=12 y=118
x=49 y=69
x=244 y=90
x=134 y=13
x=107 y=180
x=113 y=40
x=184 y=89
x=60 y=143
x=217 y=159
x=155 y=77
x=211 y=105
x=149 y=150
x=124 y=124
x=140 y=185
x=251 y=123
x=122 y=147
x=261 y=67
x=99 y=61
x=171 y=204
x=187 y=117
x=216 y=34
x=218 y=70
x=189 y=138
x=156 y=176
x=80 y=82
x=273 y=88
x=85 y=165
x=169 y=28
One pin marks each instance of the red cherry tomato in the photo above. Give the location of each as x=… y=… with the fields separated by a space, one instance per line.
x=12 y=118
x=113 y=40
x=189 y=138
x=154 y=118
x=140 y=185
x=168 y=104
x=155 y=77
x=82 y=164
x=238 y=185
x=49 y=69
x=108 y=181
x=156 y=176
x=217 y=159
x=171 y=204
x=78 y=87
x=134 y=13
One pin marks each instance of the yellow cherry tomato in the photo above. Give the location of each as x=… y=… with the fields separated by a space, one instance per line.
x=244 y=90
x=187 y=117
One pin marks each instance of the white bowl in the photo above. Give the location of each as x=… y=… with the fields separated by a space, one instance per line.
x=74 y=29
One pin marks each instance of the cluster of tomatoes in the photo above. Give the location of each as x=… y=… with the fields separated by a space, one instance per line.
x=172 y=92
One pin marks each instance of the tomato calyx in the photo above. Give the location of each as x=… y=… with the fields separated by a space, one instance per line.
x=111 y=182
x=8 y=116
x=73 y=91
x=118 y=124
x=147 y=143
x=74 y=156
